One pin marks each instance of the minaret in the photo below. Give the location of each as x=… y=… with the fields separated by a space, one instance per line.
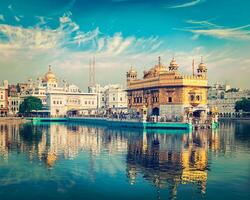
x=159 y=61
x=92 y=72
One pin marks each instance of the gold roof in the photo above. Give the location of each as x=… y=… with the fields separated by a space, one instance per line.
x=202 y=66
x=49 y=76
x=173 y=64
x=132 y=71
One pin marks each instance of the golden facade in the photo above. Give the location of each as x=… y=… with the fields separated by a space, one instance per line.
x=167 y=92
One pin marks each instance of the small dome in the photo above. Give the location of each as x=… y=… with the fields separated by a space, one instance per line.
x=173 y=64
x=202 y=66
x=49 y=76
x=132 y=71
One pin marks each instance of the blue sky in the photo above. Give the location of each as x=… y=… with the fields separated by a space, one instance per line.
x=121 y=33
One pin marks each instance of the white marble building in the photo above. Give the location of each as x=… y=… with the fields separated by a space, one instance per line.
x=111 y=96
x=57 y=100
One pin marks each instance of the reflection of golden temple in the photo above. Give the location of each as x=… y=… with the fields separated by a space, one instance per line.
x=51 y=159
x=168 y=166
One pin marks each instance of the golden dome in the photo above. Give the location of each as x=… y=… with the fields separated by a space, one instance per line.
x=49 y=76
x=202 y=66
x=132 y=71
x=173 y=65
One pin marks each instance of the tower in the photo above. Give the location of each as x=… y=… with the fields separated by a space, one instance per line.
x=131 y=74
x=92 y=72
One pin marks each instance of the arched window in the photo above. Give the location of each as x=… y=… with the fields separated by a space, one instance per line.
x=198 y=98
x=192 y=97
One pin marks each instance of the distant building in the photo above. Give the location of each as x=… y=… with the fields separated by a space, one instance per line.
x=61 y=100
x=168 y=93
x=60 y=103
x=4 y=98
x=226 y=102
x=57 y=100
x=112 y=96
x=14 y=104
x=217 y=91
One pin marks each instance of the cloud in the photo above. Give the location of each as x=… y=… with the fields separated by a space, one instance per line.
x=188 y=4
x=207 y=28
x=27 y=51
x=68 y=35
x=37 y=37
x=2 y=18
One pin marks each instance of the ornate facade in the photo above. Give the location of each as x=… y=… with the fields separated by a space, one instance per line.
x=167 y=92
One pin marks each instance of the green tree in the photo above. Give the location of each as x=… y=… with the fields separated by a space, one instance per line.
x=30 y=103
x=243 y=105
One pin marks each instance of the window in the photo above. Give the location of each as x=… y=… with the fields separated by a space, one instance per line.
x=192 y=97
x=170 y=99
x=198 y=98
x=113 y=98
x=120 y=98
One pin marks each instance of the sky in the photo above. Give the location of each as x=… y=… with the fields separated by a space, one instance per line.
x=66 y=34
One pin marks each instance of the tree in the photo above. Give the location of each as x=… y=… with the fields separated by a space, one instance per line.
x=243 y=105
x=30 y=103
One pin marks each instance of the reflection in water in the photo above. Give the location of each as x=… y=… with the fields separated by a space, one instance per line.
x=164 y=160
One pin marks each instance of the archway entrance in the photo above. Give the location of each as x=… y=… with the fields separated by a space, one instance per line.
x=200 y=115
x=156 y=111
x=197 y=113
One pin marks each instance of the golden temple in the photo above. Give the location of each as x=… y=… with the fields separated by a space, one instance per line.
x=166 y=92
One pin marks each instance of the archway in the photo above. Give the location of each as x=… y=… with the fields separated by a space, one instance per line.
x=197 y=113
x=156 y=111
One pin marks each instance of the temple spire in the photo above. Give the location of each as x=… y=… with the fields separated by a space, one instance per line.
x=193 y=67
x=159 y=61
